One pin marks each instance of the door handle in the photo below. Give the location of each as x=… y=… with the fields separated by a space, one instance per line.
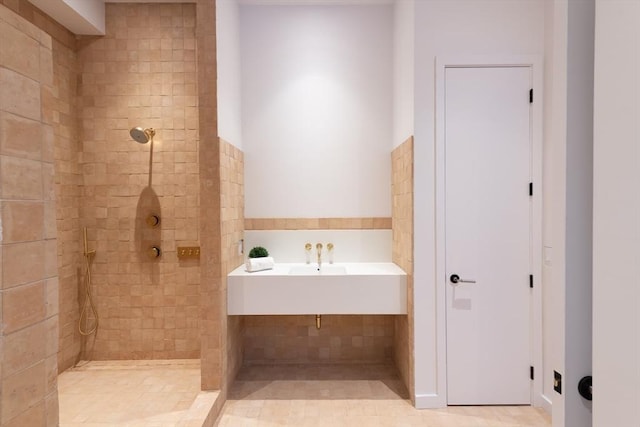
x=454 y=278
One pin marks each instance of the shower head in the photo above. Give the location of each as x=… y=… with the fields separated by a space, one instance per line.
x=142 y=135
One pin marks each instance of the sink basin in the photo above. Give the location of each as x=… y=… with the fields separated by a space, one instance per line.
x=345 y=288
x=310 y=269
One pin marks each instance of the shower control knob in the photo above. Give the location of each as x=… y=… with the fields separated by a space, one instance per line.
x=153 y=220
x=154 y=252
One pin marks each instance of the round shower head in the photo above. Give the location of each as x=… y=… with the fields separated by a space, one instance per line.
x=142 y=135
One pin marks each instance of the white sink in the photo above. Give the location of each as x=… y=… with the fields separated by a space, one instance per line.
x=346 y=288
x=310 y=269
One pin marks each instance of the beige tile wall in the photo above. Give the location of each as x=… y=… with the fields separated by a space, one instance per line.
x=142 y=73
x=232 y=230
x=29 y=282
x=402 y=214
x=212 y=306
x=295 y=339
x=41 y=20
x=380 y=223
x=68 y=180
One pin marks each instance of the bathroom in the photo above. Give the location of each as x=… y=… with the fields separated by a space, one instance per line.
x=213 y=183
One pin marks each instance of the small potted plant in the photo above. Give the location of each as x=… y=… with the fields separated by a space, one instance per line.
x=258 y=252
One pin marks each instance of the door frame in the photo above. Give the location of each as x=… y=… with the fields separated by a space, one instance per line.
x=481 y=61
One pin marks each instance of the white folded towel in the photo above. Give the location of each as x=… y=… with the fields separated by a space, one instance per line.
x=259 y=264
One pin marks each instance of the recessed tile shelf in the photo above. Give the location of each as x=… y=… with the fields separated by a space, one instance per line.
x=345 y=288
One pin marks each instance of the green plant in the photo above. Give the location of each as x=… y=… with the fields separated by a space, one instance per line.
x=258 y=252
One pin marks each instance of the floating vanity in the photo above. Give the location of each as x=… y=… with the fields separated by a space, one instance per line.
x=344 y=288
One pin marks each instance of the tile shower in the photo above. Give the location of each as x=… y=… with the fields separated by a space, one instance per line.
x=93 y=175
x=87 y=93
x=142 y=73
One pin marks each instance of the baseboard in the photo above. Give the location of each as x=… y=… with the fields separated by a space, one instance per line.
x=434 y=401
x=546 y=403
x=430 y=401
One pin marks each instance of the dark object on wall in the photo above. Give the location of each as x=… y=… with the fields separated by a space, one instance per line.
x=585 y=387
x=557 y=382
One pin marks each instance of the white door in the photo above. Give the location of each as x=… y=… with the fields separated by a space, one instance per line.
x=487 y=226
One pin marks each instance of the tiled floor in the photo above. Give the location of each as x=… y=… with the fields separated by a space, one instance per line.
x=349 y=395
x=143 y=393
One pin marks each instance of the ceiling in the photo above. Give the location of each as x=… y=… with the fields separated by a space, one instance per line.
x=87 y=16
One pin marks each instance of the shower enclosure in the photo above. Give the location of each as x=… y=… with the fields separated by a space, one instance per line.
x=71 y=166
x=146 y=298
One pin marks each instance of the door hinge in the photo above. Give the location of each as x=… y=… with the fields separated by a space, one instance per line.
x=531 y=188
x=530 y=96
x=531 y=280
x=531 y=372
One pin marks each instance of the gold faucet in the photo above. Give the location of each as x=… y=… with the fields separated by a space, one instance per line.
x=319 y=249
x=307 y=252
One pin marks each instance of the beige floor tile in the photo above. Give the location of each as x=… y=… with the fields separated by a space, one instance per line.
x=349 y=396
x=128 y=393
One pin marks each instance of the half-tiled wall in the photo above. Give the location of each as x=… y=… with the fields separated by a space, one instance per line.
x=232 y=231
x=402 y=214
x=340 y=339
x=29 y=279
x=142 y=73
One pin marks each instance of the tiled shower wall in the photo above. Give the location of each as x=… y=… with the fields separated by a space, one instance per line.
x=29 y=279
x=142 y=73
x=68 y=182
x=402 y=214
x=68 y=179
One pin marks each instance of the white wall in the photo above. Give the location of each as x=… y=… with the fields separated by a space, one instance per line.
x=568 y=135
x=616 y=213
x=555 y=130
x=317 y=110
x=228 y=56
x=445 y=27
x=403 y=70
x=578 y=217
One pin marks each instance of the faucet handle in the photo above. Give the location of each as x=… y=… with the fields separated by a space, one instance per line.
x=330 y=252
x=307 y=252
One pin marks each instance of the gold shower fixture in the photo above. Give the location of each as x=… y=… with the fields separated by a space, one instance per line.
x=142 y=135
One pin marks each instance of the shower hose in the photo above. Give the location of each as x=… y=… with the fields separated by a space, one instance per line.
x=88 y=308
